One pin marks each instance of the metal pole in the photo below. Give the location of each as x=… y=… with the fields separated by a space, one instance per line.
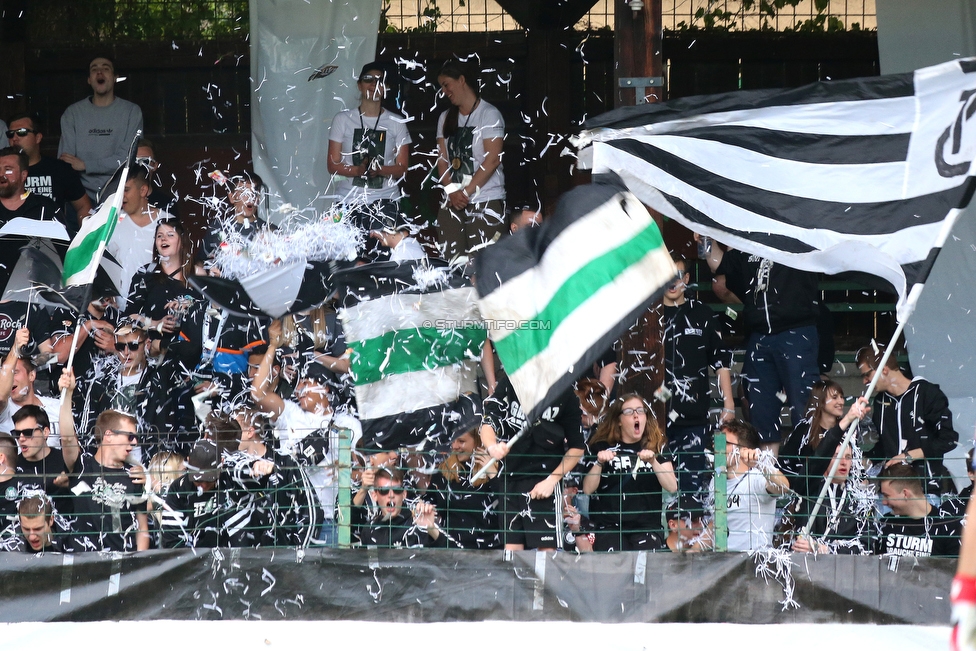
x=850 y=430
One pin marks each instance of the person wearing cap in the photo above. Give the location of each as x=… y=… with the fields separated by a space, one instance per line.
x=369 y=152
x=110 y=500
x=688 y=530
x=306 y=427
x=192 y=514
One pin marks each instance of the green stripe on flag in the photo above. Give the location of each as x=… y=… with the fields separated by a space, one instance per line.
x=80 y=254
x=525 y=343
x=413 y=349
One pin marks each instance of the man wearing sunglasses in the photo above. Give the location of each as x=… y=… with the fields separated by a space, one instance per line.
x=40 y=466
x=394 y=526
x=126 y=384
x=17 y=377
x=109 y=501
x=48 y=176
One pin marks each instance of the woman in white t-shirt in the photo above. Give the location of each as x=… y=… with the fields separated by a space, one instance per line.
x=470 y=138
x=368 y=155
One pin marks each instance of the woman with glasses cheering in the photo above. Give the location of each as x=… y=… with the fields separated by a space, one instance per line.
x=626 y=482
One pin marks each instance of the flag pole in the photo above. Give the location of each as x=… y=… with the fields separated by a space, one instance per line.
x=850 y=430
x=117 y=206
x=492 y=460
x=910 y=304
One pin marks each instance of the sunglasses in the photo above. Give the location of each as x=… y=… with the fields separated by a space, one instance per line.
x=367 y=79
x=21 y=132
x=25 y=433
x=396 y=490
x=132 y=345
x=131 y=436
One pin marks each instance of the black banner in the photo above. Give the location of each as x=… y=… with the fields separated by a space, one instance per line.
x=418 y=585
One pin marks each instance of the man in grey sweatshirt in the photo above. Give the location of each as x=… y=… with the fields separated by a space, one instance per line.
x=96 y=132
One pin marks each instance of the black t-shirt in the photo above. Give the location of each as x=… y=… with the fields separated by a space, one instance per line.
x=40 y=475
x=541 y=450
x=57 y=181
x=775 y=297
x=692 y=342
x=935 y=535
x=14 y=315
x=107 y=504
x=629 y=495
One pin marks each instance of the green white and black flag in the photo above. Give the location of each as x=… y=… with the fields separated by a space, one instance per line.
x=556 y=297
x=415 y=337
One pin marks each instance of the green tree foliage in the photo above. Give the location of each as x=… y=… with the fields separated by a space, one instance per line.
x=731 y=14
x=94 y=21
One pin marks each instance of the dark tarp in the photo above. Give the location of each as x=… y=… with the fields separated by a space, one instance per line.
x=441 y=585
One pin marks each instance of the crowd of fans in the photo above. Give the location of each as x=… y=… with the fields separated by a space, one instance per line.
x=155 y=419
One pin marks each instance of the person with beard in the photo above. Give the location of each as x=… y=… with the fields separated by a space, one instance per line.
x=96 y=132
x=395 y=526
x=627 y=480
x=48 y=176
x=15 y=199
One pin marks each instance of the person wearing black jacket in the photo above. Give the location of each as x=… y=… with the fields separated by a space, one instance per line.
x=915 y=527
x=913 y=420
x=781 y=309
x=692 y=343
x=529 y=484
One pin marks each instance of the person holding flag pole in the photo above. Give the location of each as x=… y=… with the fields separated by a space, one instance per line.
x=84 y=255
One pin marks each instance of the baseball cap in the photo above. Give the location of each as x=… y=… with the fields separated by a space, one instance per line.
x=203 y=464
x=374 y=65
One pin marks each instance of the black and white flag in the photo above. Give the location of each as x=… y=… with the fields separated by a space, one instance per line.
x=862 y=175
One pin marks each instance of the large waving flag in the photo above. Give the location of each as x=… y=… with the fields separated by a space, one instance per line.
x=415 y=337
x=556 y=297
x=84 y=255
x=863 y=175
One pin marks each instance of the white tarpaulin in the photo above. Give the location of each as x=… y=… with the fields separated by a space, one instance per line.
x=940 y=333
x=291 y=114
